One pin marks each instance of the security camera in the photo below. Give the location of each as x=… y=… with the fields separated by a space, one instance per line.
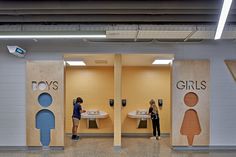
x=17 y=51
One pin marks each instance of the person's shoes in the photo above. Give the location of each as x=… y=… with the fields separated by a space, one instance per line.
x=73 y=137
x=158 y=137
x=77 y=138
x=153 y=138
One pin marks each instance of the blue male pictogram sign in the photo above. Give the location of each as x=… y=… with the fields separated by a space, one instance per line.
x=45 y=121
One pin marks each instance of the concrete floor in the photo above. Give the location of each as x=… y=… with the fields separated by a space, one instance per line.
x=103 y=147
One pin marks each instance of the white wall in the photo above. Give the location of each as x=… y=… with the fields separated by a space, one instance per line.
x=12 y=101
x=223 y=104
x=12 y=80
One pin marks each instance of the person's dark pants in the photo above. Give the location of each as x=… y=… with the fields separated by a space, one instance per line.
x=156 y=126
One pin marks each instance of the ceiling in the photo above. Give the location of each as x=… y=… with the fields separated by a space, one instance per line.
x=108 y=59
x=130 y=32
x=113 y=11
x=161 y=20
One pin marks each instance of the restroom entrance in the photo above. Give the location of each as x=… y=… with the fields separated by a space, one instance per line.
x=92 y=79
x=141 y=81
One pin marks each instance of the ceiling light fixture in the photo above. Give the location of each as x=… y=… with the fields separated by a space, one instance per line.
x=223 y=16
x=46 y=35
x=162 y=61
x=49 y=36
x=76 y=63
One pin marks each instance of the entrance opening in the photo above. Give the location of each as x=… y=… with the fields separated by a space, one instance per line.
x=141 y=82
x=94 y=83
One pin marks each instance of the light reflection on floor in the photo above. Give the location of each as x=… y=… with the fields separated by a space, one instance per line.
x=103 y=147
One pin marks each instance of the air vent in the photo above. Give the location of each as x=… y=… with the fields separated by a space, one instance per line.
x=101 y=61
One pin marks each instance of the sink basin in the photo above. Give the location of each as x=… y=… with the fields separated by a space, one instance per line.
x=140 y=113
x=141 y=116
x=94 y=114
x=92 y=117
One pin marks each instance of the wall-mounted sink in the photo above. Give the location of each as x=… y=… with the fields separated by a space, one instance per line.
x=141 y=115
x=94 y=114
x=93 y=117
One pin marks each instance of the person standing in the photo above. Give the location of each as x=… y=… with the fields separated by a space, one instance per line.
x=153 y=111
x=77 y=110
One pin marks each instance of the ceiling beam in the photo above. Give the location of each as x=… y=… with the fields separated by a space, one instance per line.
x=113 y=18
x=92 y=4
x=113 y=11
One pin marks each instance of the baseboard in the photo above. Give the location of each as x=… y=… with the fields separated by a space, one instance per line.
x=25 y=148
x=117 y=148
x=45 y=148
x=204 y=148
x=143 y=134
x=123 y=134
x=93 y=134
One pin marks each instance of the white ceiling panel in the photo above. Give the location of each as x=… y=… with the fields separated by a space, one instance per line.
x=211 y=35
x=163 y=34
x=7 y=28
x=203 y=35
x=229 y=35
x=50 y=28
x=121 y=34
x=167 y=27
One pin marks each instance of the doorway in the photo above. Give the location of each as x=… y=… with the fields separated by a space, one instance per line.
x=141 y=81
x=94 y=83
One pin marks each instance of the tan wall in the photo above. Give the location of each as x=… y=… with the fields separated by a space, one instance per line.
x=96 y=86
x=139 y=85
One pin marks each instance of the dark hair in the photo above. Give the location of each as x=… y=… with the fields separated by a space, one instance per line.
x=152 y=102
x=79 y=100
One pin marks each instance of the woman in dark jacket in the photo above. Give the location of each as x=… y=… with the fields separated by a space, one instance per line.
x=153 y=111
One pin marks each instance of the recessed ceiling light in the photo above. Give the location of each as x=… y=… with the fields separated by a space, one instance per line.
x=162 y=61
x=76 y=63
x=223 y=16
